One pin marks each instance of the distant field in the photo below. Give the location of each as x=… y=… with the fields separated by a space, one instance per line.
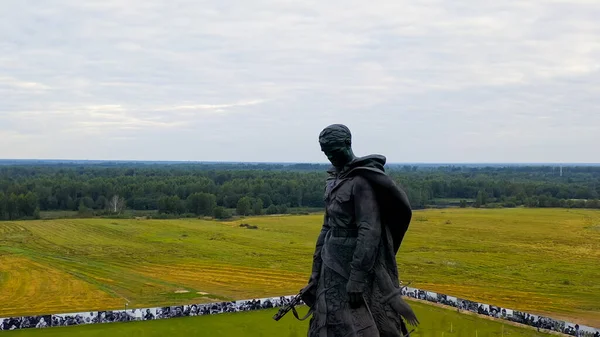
x=451 y=201
x=435 y=321
x=55 y=215
x=537 y=260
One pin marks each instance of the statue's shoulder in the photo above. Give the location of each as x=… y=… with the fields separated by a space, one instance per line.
x=359 y=181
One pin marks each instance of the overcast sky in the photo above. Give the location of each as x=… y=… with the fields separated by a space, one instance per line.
x=257 y=80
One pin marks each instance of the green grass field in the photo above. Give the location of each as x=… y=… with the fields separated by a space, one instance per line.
x=537 y=260
x=437 y=322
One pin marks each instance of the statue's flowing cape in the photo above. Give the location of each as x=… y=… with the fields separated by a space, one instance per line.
x=393 y=203
x=395 y=218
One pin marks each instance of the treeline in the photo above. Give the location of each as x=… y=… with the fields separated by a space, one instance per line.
x=220 y=191
x=21 y=206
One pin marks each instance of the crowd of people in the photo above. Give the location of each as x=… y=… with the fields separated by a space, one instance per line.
x=146 y=314
x=539 y=322
x=26 y=322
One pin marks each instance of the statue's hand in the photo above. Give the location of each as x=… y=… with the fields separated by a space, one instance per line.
x=355 y=293
x=309 y=293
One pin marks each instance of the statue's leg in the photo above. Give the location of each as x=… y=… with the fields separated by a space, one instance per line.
x=389 y=322
x=332 y=316
x=318 y=322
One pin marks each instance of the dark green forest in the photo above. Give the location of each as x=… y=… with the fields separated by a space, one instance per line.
x=222 y=190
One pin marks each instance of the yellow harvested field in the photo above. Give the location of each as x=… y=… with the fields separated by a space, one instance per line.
x=28 y=287
x=230 y=281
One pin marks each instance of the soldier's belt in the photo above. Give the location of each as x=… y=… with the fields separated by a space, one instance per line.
x=344 y=233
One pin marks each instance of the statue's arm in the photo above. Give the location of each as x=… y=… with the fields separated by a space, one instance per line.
x=369 y=230
x=317 y=260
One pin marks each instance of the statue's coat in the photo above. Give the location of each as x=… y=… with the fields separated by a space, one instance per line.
x=366 y=218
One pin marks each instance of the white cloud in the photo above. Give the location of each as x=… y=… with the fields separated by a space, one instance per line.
x=14 y=83
x=215 y=107
x=459 y=81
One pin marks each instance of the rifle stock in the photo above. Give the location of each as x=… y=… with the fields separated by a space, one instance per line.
x=287 y=307
x=296 y=300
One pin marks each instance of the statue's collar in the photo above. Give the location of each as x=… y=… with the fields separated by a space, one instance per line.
x=333 y=171
x=373 y=161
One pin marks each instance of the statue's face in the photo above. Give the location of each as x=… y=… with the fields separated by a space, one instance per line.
x=338 y=155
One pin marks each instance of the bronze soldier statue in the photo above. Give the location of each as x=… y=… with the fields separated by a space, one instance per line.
x=353 y=290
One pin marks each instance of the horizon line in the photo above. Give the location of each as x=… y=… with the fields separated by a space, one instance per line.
x=290 y=162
